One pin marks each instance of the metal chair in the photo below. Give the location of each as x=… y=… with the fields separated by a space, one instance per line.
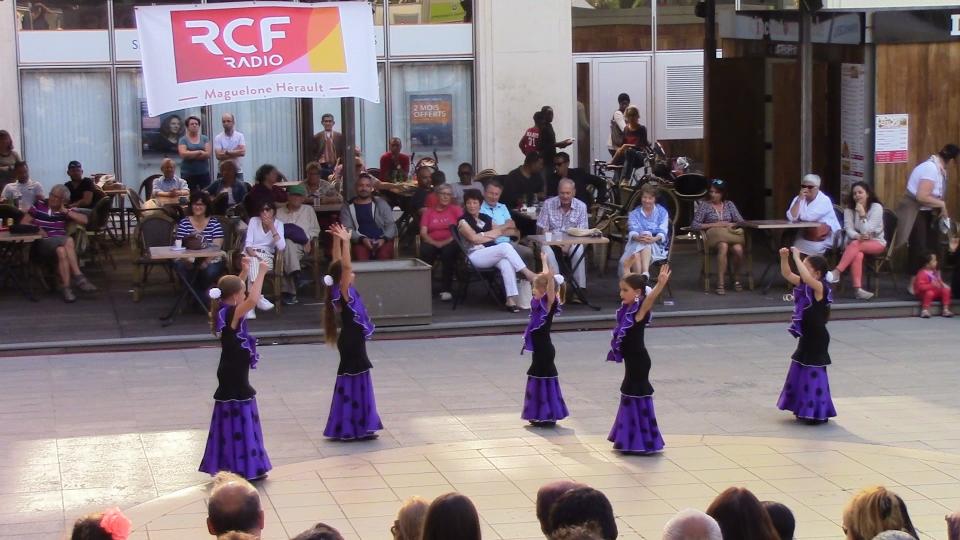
x=146 y=187
x=154 y=229
x=667 y=198
x=875 y=264
x=98 y=232
x=471 y=273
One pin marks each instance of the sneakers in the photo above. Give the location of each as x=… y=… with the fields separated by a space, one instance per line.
x=290 y=299
x=82 y=283
x=264 y=304
x=946 y=313
x=252 y=314
x=863 y=295
x=924 y=314
x=834 y=277
x=445 y=296
x=68 y=295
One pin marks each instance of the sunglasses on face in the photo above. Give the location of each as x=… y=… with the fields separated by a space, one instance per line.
x=808 y=187
x=717 y=182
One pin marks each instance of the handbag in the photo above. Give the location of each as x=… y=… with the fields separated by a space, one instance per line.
x=818 y=233
x=194 y=242
x=728 y=235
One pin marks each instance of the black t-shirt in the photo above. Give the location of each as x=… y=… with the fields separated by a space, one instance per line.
x=547 y=144
x=518 y=189
x=85 y=185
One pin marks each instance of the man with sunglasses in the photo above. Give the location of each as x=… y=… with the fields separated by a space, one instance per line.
x=465 y=175
x=581 y=179
x=812 y=205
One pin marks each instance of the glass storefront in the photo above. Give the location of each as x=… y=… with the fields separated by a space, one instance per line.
x=82 y=94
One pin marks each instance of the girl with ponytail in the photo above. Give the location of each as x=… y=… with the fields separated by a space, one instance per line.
x=235 y=441
x=543 y=401
x=353 y=411
x=635 y=430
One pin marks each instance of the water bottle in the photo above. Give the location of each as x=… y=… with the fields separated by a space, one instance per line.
x=16 y=202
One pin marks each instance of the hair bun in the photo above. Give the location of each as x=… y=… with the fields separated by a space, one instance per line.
x=559 y=279
x=215 y=293
x=328 y=280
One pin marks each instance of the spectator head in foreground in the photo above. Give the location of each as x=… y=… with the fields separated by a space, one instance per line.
x=410 y=518
x=110 y=524
x=782 y=519
x=691 y=524
x=741 y=516
x=234 y=505
x=237 y=535
x=873 y=511
x=320 y=531
x=547 y=495
x=451 y=515
x=580 y=506
x=893 y=535
x=590 y=531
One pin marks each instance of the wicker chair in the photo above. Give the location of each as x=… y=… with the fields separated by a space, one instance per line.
x=876 y=264
x=154 y=229
x=98 y=232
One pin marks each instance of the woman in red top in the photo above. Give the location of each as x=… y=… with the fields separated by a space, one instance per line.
x=436 y=240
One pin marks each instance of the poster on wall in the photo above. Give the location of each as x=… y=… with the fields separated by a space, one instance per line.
x=196 y=55
x=431 y=121
x=852 y=106
x=892 y=139
x=160 y=135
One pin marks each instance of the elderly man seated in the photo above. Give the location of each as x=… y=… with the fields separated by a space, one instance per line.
x=295 y=213
x=813 y=205
x=234 y=505
x=169 y=184
x=52 y=217
x=559 y=214
x=370 y=222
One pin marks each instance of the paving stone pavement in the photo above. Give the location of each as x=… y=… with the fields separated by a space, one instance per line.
x=81 y=432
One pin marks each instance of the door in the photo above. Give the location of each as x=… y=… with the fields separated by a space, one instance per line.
x=610 y=76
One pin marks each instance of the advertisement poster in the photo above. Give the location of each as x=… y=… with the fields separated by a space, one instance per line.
x=160 y=135
x=893 y=134
x=852 y=104
x=431 y=121
x=196 y=55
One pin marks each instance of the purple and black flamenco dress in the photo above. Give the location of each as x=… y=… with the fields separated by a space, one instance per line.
x=635 y=429
x=353 y=410
x=806 y=392
x=543 y=401
x=235 y=442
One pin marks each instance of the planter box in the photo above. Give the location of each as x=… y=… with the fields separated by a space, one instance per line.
x=396 y=292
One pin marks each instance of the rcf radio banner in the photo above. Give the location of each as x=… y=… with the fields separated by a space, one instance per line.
x=218 y=53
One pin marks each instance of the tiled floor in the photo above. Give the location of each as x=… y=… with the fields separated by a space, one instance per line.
x=84 y=431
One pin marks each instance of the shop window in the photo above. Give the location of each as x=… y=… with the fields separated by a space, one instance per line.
x=611 y=25
x=124 y=11
x=678 y=27
x=62 y=15
x=371 y=126
x=67 y=116
x=432 y=111
x=430 y=11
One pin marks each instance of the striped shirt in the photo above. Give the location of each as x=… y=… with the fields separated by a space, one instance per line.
x=212 y=231
x=54 y=223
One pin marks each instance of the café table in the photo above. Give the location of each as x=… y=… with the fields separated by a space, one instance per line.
x=13 y=261
x=171 y=254
x=774 y=229
x=287 y=184
x=567 y=266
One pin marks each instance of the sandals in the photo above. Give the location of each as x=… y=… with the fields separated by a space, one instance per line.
x=721 y=291
x=737 y=286
x=513 y=308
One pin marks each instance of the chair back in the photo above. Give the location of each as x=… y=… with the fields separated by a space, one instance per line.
x=218 y=207
x=100 y=215
x=890 y=222
x=460 y=240
x=691 y=187
x=9 y=211
x=839 y=239
x=154 y=230
x=668 y=199
x=146 y=187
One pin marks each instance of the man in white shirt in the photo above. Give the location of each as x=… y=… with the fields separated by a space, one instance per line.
x=560 y=214
x=230 y=145
x=23 y=191
x=617 y=123
x=812 y=205
x=295 y=213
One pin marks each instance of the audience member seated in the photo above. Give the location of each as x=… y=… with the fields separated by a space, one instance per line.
x=559 y=214
x=8 y=158
x=581 y=179
x=522 y=184
x=691 y=524
x=56 y=247
x=264 y=191
x=110 y=524
x=547 y=495
x=782 y=518
x=741 y=516
x=436 y=240
x=234 y=505
x=466 y=181
x=423 y=196
x=318 y=189
x=370 y=222
x=394 y=164
x=812 y=205
x=410 y=518
x=479 y=232
x=718 y=219
x=583 y=506
x=928 y=285
x=874 y=510
x=22 y=189
x=589 y=531
x=647 y=228
x=199 y=223
x=451 y=515
x=295 y=213
x=264 y=238
x=320 y=531
x=169 y=184
x=84 y=193
x=863 y=225
x=228 y=183
x=631 y=153
x=503 y=221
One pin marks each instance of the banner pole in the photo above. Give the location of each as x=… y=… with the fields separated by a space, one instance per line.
x=348 y=114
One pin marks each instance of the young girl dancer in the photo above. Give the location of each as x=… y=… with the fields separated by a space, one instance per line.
x=353 y=411
x=635 y=430
x=543 y=402
x=235 y=442
x=806 y=392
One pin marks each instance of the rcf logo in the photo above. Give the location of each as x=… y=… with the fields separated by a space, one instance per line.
x=245 y=42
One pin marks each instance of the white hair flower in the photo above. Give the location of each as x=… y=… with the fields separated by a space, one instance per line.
x=215 y=293
x=559 y=279
x=328 y=280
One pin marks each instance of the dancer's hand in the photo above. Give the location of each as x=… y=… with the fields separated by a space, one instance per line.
x=784 y=253
x=263 y=267
x=664 y=275
x=244 y=264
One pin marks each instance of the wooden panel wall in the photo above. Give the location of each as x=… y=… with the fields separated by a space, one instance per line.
x=920 y=79
x=634 y=37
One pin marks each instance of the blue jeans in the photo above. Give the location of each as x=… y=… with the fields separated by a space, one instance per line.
x=204 y=278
